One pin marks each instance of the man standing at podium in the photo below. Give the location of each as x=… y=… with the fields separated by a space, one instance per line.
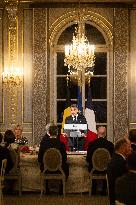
x=76 y=118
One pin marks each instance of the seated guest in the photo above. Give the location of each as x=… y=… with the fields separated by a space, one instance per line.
x=117 y=166
x=47 y=130
x=19 y=139
x=9 y=139
x=75 y=118
x=132 y=138
x=90 y=137
x=100 y=142
x=5 y=154
x=44 y=139
x=52 y=141
x=1 y=139
x=64 y=139
x=125 y=186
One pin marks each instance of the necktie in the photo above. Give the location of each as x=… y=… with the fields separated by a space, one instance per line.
x=74 y=119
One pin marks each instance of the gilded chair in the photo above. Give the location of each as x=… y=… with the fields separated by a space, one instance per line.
x=3 y=167
x=15 y=173
x=100 y=160
x=52 y=168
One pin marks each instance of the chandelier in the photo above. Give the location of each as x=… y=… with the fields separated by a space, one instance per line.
x=12 y=77
x=79 y=55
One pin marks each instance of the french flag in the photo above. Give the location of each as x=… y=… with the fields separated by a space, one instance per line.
x=90 y=118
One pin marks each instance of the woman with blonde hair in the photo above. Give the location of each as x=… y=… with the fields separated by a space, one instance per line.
x=18 y=130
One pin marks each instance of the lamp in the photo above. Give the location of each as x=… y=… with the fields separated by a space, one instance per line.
x=79 y=55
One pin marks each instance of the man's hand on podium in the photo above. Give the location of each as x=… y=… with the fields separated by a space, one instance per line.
x=83 y=135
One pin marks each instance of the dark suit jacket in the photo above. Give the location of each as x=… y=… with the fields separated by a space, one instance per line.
x=133 y=147
x=5 y=154
x=80 y=119
x=116 y=168
x=98 y=143
x=47 y=143
x=125 y=189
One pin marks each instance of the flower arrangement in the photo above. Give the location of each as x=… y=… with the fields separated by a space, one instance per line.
x=24 y=149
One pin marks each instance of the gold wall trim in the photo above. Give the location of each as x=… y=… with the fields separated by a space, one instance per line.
x=68 y=19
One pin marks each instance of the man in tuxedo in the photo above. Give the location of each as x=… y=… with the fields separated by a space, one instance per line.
x=117 y=166
x=125 y=186
x=100 y=142
x=75 y=118
x=51 y=140
x=132 y=138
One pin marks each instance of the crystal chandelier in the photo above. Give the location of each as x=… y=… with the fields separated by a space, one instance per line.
x=12 y=77
x=79 y=55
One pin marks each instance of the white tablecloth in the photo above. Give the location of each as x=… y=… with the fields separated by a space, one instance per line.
x=78 y=173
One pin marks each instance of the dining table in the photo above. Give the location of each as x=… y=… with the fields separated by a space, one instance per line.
x=78 y=180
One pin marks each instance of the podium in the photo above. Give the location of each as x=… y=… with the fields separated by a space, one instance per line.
x=75 y=127
x=74 y=132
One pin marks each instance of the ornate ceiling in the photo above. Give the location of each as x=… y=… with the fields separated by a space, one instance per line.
x=72 y=3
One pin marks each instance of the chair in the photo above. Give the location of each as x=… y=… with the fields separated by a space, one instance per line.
x=52 y=160
x=15 y=173
x=3 y=167
x=119 y=203
x=100 y=160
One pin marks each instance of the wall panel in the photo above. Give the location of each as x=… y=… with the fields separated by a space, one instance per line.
x=132 y=70
x=1 y=68
x=27 y=61
x=121 y=45
x=39 y=73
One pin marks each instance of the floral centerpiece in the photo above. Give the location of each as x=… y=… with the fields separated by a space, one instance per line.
x=24 y=149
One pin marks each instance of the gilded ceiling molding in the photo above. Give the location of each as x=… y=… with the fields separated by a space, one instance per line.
x=69 y=18
x=121 y=41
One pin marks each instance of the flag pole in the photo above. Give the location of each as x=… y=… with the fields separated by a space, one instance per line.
x=83 y=90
